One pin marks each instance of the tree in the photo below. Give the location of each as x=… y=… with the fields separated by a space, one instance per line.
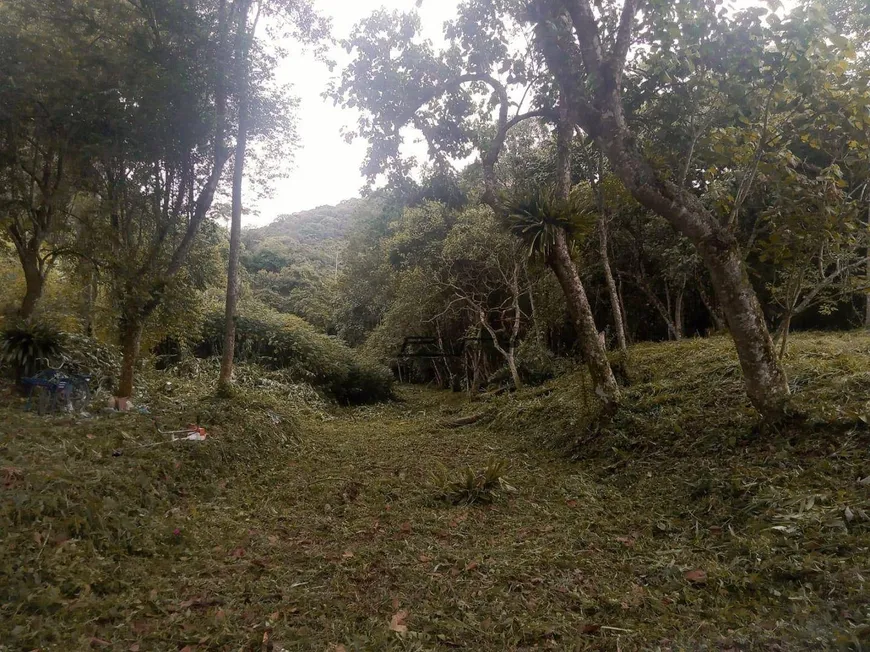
x=307 y=27
x=484 y=273
x=244 y=36
x=49 y=117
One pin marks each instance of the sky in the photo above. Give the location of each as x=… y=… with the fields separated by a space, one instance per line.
x=326 y=168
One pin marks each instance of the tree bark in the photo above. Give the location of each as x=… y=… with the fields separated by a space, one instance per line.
x=715 y=315
x=131 y=339
x=231 y=309
x=786 y=327
x=615 y=308
x=679 y=327
x=563 y=267
x=34 y=283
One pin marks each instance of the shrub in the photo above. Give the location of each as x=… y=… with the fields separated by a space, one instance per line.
x=289 y=343
x=28 y=345
x=537 y=364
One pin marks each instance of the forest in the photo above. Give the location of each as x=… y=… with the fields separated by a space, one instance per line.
x=585 y=365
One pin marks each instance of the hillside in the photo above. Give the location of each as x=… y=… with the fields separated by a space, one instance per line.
x=313 y=236
x=681 y=526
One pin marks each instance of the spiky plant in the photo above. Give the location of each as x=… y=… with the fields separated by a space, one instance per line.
x=536 y=217
x=25 y=344
x=470 y=486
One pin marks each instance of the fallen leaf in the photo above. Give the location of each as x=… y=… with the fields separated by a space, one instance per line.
x=424 y=558
x=347 y=554
x=628 y=542
x=396 y=604
x=98 y=642
x=90 y=436
x=589 y=628
x=238 y=553
x=186 y=648
x=134 y=648
x=339 y=648
x=471 y=566
x=571 y=503
x=397 y=622
x=696 y=576
x=406 y=527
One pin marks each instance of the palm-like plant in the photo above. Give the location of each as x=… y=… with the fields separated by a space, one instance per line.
x=537 y=217
x=24 y=344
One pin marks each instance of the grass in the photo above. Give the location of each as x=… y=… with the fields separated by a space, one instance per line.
x=682 y=526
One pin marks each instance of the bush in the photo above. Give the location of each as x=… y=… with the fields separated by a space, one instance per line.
x=28 y=345
x=537 y=364
x=289 y=343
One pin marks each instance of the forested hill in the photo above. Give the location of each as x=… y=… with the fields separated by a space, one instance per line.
x=315 y=235
x=293 y=263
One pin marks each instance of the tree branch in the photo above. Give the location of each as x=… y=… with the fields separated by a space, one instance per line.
x=623 y=41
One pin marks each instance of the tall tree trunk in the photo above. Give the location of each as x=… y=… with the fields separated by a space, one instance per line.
x=867 y=274
x=536 y=327
x=766 y=383
x=679 y=327
x=131 y=340
x=563 y=267
x=89 y=298
x=625 y=328
x=230 y=313
x=34 y=283
x=559 y=260
x=615 y=308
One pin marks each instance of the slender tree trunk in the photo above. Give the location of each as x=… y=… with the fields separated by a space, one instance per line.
x=512 y=365
x=34 y=283
x=679 y=328
x=715 y=315
x=131 y=340
x=477 y=372
x=578 y=306
x=786 y=327
x=559 y=260
x=615 y=308
x=539 y=338
x=230 y=313
x=867 y=274
x=89 y=298
x=625 y=328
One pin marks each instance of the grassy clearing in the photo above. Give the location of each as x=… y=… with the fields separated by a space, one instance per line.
x=683 y=526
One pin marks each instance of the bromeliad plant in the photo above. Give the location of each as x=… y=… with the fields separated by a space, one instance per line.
x=536 y=218
x=24 y=345
x=470 y=486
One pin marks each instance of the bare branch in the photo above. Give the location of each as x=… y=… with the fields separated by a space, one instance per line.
x=623 y=41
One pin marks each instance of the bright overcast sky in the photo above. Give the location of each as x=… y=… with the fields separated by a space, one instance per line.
x=326 y=167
